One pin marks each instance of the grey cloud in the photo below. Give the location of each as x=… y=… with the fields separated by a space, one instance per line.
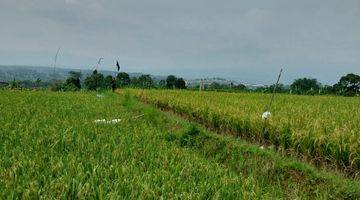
x=244 y=40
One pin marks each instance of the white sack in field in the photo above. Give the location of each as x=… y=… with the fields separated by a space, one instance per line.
x=266 y=115
x=100 y=121
x=104 y=121
x=114 y=121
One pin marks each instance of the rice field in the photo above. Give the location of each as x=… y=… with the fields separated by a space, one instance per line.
x=325 y=128
x=58 y=146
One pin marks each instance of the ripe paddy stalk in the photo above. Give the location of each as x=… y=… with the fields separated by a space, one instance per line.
x=315 y=126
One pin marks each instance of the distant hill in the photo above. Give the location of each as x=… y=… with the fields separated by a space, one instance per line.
x=22 y=73
x=222 y=81
x=208 y=81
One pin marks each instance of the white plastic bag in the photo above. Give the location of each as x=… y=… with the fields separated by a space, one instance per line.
x=100 y=121
x=266 y=115
x=104 y=121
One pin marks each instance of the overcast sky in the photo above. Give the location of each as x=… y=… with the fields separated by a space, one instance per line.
x=245 y=40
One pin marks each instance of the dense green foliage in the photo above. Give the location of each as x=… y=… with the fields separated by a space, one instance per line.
x=180 y=83
x=348 y=85
x=144 y=81
x=56 y=85
x=50 y=147
x=122 y=79
x=95 y=81
x=72 y=83
x=305 y=86
x=13 y=84
x=109 y=82
x=320 y=127
x=172 y=82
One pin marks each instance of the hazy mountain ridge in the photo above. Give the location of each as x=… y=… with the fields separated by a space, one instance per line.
x=23 y=72
x=221 y=81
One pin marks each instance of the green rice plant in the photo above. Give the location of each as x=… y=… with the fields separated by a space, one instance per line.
x=315 y=126
x=52 y=148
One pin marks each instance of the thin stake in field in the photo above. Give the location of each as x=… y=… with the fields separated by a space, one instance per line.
x=274 y=90
x=267 y=114
x=55 y=59
x=98 y=63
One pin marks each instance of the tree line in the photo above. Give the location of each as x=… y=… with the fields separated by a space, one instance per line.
x=348 y=85
x=97 y=81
